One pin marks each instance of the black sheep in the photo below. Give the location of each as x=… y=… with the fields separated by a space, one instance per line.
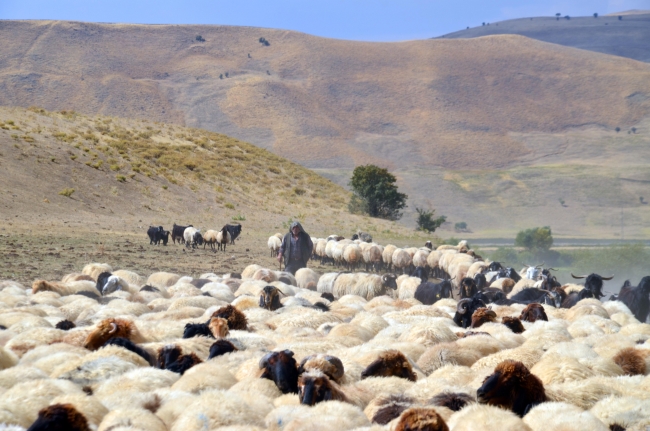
x=282 y=368
x=429 y=293
x=131 y=346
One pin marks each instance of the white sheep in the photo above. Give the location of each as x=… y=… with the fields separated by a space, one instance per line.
x=387 y=256
x=401 y=260
x=307 y=278
x=274 y=243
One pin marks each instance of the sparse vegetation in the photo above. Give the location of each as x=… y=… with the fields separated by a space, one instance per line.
x=426 y=222
x=120 y=178
x=229 y=206
x=239 y=217
x=375 y=193
x=537 y=239
x=67 y=192
x=461 y=227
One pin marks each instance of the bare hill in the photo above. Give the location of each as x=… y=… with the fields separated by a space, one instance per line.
x=429 y=110
x=625 y=37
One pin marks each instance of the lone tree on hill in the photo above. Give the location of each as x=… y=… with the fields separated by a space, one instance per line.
x=535 y=239
x=426 y=222
x=375 y=193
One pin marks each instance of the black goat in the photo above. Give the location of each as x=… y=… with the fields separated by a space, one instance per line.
x=270 y=298
x=594 y=283
x=429 y=293
x=282 y=368
x=177 y=233
x=539 y=296
x=234 y=231
x=637 y=299
x=421 y=272
x=467 y=288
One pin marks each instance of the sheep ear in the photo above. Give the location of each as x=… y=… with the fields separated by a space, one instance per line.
x=262 y=302
x=288 y=353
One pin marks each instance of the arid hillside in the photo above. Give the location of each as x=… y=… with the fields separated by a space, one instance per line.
x=607 y=34
x=429 y=110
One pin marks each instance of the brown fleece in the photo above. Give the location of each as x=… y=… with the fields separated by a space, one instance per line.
x=388 y=407
x=481 y=316
x=102 y=333
x=533 y=312
x=452 y=400
x=390 y=363
x=46 y=286
x=236 y=319
x=631 y=361
x=60 y=417
x=513 y=323
x=219 y=327
x=421 y=419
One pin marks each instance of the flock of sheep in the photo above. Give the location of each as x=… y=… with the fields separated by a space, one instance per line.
x=109 y=349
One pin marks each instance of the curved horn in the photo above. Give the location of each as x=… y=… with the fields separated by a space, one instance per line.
x=576 y=276
x=265 y=359
x=607 y=278
x=113 y=328
x=338 y=366
x=552 y=269
x=491 y=313
x=527 y=266
x=541 y=265
x=461 y=308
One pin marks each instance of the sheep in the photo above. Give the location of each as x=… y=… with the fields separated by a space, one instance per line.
x=210 y=238
x=401 y=260
x=367 y=286
x=390 y=363
x=170 y=358
x=513 y=387
x=387 y=256
x=281 y=368
x=60 y=417
x=94 y=269
x=632 y=361
x=421 y=418
x=307 y=278
x=532 y=313
x=274 y=243
x=223 y=238
x=162 y=280
x=481 y=316
x=108 y=283
x=352 y=256
x=112 y=328
x=192 y=237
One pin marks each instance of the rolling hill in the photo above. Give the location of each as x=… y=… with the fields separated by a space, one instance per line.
x=487 y=130
x=625 y=37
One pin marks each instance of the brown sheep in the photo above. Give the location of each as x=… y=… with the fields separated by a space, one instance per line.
x=236 y=319
x=60 y=417
x=533 y=312
x=314 y=387
x=481 y=316
x=513 y=387
x=387 y=407
x=421 y=419
x=170 y=358
x=390 y=363
x=513 y=323
x=219 y=327
x=331 y=366
x=112 y=328
x=452 y=400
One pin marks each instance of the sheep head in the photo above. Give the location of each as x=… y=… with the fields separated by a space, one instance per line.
x=331 y=366
x=389 y=280
x=65 y=325
x=513 y=323
x=221 y=347
x=465 y=309
x=236 y=319
x=533 y=312
x=513 y=387
x=107 y=329
x=281 y=367
x=387 y=407
x=314 y=387
x=481 y=316
x=421 y=419
x=270 y=298
x=171 y=358
x=219 y=327
x=390 y=363
x=467 y=288
x=60 y=417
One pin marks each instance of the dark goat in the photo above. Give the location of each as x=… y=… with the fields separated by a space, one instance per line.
x=177 y=233
x=200 y=282
x=221 y=347
x=65 y=325
x=512 y=386
x=197 y=330
x=465 y=309
x=574 y=297
x=270 y=298
x=429 y=293
x=234 y=231
x=514 y=323
x=594 y=283
x=428 y=245
x=362 y=236
x=60 y=417
x=131 y=346
x=532 y=313
x=390 y=363
x=494 y=266
x=479 y=280
x=637 y=299
x=467 y=288
x=540 y=296
x=510 y=273
x=281 y=367
x=316 y=387
x=328 y=296
x=421 y=272
x=170 y=358
x=155 y=234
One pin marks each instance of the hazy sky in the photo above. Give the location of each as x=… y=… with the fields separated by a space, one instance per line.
x=371 y=20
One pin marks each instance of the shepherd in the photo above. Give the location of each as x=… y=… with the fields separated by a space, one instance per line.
x=296 y=248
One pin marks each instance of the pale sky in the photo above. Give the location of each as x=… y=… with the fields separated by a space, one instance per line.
x=368 y=20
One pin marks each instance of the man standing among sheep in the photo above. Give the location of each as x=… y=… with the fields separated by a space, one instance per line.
x=296 y=248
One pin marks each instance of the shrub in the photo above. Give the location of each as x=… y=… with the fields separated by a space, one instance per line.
x=299 y=191
x=426 y=222
x=67 y=192
x=618 y=129
x=121 y=178
x=200 y=38
x=239 y=217
x=229 y=206
x=538 y=239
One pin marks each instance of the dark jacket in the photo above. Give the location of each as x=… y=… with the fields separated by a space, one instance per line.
x=306 y=245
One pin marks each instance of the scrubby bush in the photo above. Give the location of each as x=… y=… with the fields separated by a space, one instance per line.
x=67 y=192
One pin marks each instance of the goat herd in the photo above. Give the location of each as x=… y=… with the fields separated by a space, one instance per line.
x=192 y=237
x=481 y=347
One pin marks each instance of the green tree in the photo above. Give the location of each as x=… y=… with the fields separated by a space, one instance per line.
x=535 y=239
x=426 y=222
x=375 y=193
